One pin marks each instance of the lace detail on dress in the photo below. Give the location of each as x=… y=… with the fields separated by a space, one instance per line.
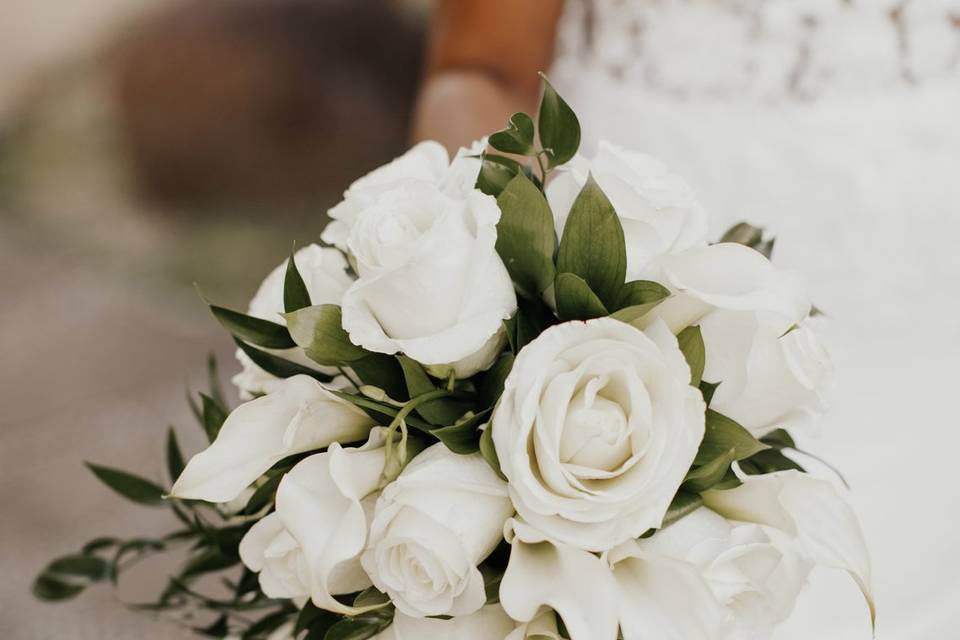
x=760 y=48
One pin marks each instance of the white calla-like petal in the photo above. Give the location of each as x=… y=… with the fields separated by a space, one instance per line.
x=298 y=416
x=663 y=598
x=812 y=510
x=542 y=627
x=488 y=623
x=735 y=277
x=574 y=583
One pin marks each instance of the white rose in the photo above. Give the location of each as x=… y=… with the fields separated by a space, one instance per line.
x=489 y=623
x=431 y=284
x=433 y=525
x=659 y=212
x=426 y=161
x=311 y=545
x=772 y=369
x=755 y=572
x=298 y=416
x=324 y=272
x=542 y=627
x=596 y=428
x=811 y=511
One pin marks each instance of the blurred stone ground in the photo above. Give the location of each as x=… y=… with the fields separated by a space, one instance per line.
x=100 y=332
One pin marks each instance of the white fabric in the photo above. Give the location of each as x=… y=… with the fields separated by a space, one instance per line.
x=856 y=174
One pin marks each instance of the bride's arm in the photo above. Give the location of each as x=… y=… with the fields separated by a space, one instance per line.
x=482 y=66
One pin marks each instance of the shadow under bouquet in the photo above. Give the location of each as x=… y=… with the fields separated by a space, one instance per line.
x=503 y=399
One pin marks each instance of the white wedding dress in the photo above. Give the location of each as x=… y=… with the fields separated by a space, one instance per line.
x=835 y=124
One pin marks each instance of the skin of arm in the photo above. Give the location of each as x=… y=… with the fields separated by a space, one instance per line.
x=482 y=64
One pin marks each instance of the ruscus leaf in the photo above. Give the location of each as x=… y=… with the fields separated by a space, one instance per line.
x=129 y=486
x=525 y=236
x=319 y=331
x=558 y=126
x=263 y=333
x=691 y=345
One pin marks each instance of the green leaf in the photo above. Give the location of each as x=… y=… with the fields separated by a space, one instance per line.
x=277 y=366
x=641 y=293
x=496 y=172
x=490 y=382
x=489 y=451
x=558 y=126
x=743 y=233
x=213 y=416
x=360 y=627
x=525 y=236
x=382 y=371
x=708 y=389
x=265 y=625
x=779 y=439
x=213 y=380
x=313 y=618
x=769 y=461
x=575 y=299
x=50 y=588
x=692 y=347
x=85 y=566
x=175 y=463
x=592 y=245
x=723 y=434
x=463 y=436
x=262 y=496
x=634 y=313
x=517 y=137
x=684 y=503
x=295 y=293
x=701 y=478
x=442 y=411
x=319 y=331
x=263 y=333
x=729 y=481
x=129 y=486
x=208 y=561
x=751 y=236
x=369 y=597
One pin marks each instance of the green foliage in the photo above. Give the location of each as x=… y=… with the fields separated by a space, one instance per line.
x=489 y=451
x=130 y=486
x=295 y=294
x=558 y=127
x=575 y=299
x=257 y=331
x=463 y=436
x=710 y=473
x=751 y=236
x=174 y=456
x=525 y=236
x=277 y=366
x=723 y=435
x=592 y=246
x=517 y=137
x=496 y=172
x=529 y=321
x=319 y=331
x=213 y=415
x=684 y=503
x=691 y=345
x=442 y=411
x=383 y=372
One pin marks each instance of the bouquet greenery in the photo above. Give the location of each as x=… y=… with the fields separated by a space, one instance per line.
x=508 y=398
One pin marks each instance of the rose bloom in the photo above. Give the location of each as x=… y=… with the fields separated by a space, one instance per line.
x=659 y=212
x=772 y=369
x=426 y=162
x=755 y=572
x=432 y=526
x=431 y=284
x=324 y=272
x=596 y=428
x=311 y=545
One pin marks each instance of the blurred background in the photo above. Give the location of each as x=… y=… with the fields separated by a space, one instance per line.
x=145 y=145
x=149 y=144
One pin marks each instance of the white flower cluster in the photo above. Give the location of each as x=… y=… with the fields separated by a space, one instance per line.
x=595 y=432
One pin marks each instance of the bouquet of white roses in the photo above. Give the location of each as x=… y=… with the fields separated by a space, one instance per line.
x=504 y=400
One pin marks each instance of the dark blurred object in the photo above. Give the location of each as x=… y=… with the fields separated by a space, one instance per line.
x=267 y=100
